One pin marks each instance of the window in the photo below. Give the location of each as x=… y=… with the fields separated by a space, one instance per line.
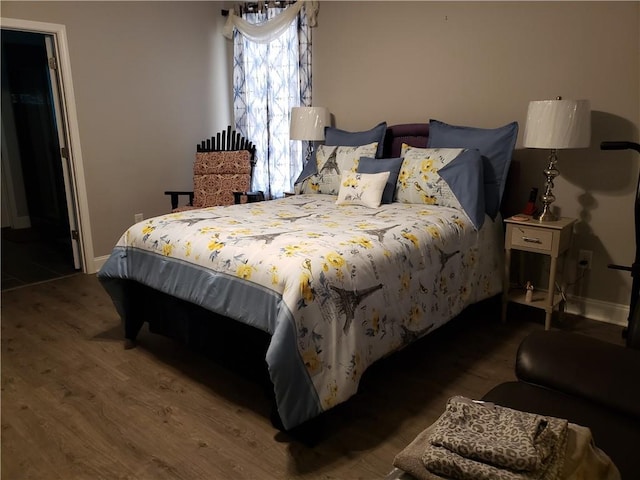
x=269 y=78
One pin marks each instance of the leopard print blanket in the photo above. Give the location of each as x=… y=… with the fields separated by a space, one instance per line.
x=476 y=441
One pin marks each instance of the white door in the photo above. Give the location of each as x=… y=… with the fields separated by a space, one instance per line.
x=65 y=153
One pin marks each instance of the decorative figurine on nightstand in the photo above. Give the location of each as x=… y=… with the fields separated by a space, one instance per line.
x=528 y=297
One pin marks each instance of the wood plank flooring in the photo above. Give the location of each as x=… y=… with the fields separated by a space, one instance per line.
x=76 y=405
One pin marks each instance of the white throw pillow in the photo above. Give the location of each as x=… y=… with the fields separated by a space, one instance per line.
x=362 y=188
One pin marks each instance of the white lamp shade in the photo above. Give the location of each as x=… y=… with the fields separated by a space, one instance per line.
x=558 y=124
x=307 y=123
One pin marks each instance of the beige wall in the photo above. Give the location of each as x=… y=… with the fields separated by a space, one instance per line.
x=151 y=81
x=480 y=63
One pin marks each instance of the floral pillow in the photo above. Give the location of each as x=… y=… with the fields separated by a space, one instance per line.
x=448 y=177
x=332 y=161
x=362 y=188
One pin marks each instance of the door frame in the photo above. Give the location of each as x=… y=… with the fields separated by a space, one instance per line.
x=76 y=166
x=57 y=97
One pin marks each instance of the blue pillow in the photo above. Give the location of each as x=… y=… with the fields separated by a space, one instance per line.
x=335 y=136
x=465 y=177
x=310 y=168
x=375 y=165
x=495 y=145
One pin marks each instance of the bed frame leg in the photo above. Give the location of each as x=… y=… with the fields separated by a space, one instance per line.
x=276 y=422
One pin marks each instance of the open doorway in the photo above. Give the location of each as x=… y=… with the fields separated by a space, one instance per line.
x=37 y=241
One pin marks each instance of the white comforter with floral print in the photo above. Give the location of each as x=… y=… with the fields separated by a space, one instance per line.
x=337 y=287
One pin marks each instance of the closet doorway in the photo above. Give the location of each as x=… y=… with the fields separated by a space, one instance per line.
x=40 y=229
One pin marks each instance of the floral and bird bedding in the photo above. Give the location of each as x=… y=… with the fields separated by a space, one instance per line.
x=336 y=286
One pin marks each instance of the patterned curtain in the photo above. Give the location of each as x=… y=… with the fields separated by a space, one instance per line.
x=268 y=80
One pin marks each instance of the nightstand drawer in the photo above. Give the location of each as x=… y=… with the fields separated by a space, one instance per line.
x=532 y=238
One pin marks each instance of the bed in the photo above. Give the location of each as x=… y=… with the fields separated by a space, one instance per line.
x=335 y=282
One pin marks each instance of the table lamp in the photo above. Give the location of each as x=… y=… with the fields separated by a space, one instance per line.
x=307 y=123
x=556 y=124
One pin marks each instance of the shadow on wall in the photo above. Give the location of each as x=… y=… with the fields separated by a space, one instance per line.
x=594 y=173
x=600 y=171
x=597 y=172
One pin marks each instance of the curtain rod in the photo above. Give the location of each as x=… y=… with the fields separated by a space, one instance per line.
x=254 y=6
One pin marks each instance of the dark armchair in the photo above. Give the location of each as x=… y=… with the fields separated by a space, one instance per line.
x=585 y=380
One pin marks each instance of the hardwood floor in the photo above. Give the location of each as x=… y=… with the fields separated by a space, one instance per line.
x=76 y=405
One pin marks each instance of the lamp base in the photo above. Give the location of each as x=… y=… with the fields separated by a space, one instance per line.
x=309 y=152
x=551 y=172
x=546 y=215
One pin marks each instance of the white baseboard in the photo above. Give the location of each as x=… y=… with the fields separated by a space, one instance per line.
x=98 y=262
x=598 y=310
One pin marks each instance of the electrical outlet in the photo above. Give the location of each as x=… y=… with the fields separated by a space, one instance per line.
x=138 y=217
x=584 y=259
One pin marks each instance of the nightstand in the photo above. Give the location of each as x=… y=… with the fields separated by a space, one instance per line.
x=546 y=238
